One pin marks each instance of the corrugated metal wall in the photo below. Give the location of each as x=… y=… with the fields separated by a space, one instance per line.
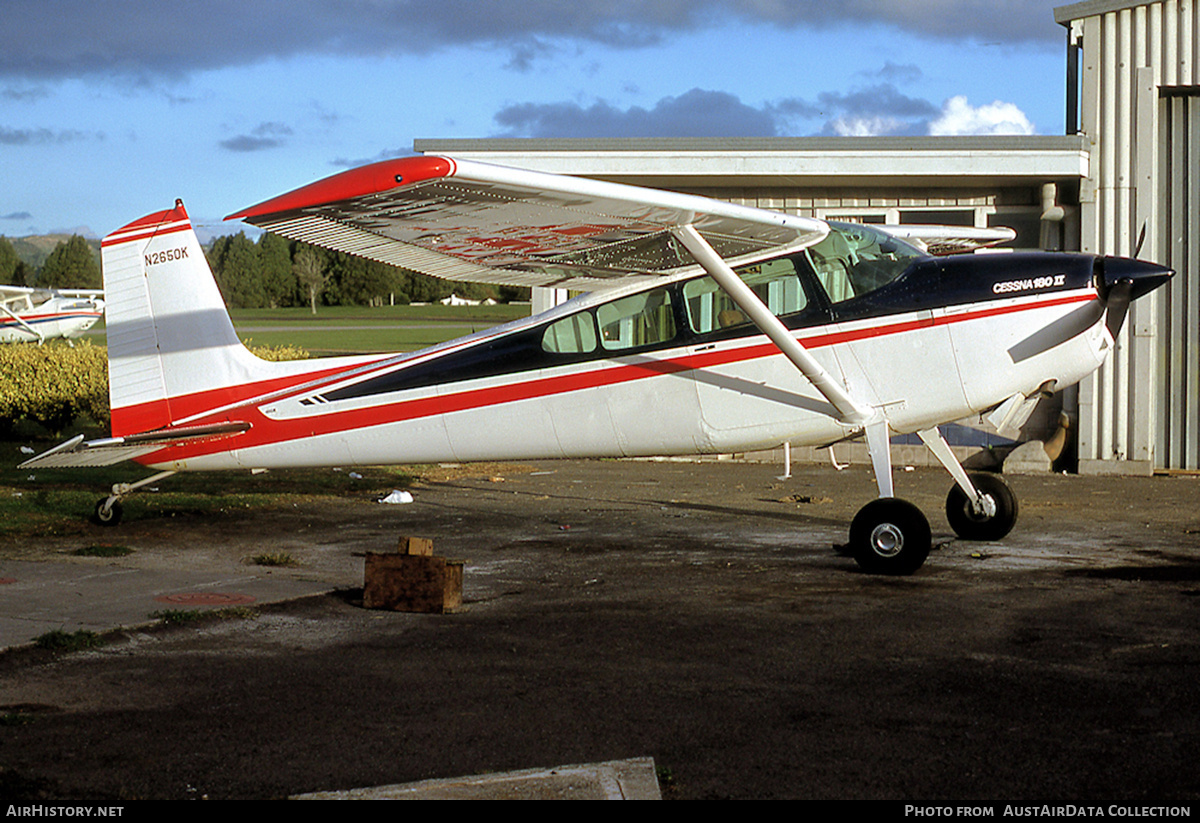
x=1138 y=108
x=1178 y=436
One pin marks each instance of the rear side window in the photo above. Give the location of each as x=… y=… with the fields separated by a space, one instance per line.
x=571 y=335
x=638 y=320
x=775 y=282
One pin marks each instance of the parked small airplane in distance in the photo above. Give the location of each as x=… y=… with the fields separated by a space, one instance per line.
x=706 y=327
x=36 y=315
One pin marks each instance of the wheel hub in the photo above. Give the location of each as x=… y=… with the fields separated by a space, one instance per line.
x=984 y=508
x=887 y=540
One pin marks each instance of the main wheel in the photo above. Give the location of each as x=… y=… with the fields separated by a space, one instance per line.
x=106 y=513
x=969 y=525
x=890 y=536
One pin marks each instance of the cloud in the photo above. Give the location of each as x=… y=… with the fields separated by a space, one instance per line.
x=16 y=215
x=355 y=162
x=44 y=136
x=264 y=136
x=960 y=117
x=697 y=113
x=896 y=73
x=875 y=110
x=25 y=94
x=524 y=54
x=140 y=38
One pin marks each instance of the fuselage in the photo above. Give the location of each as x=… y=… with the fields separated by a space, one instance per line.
x=672 y=367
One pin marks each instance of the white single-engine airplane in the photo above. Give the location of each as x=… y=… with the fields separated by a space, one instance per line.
x=707 y=327
x=37 y=315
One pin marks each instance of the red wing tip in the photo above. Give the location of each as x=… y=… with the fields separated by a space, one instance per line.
x=364 y=180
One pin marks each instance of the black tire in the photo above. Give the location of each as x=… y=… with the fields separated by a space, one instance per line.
x=107 y=515
x=890 y=536
x=971 y=526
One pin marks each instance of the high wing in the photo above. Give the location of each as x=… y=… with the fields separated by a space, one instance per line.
x=7 y=291
x=464 y=220
x=469 y=221
x=939 y=240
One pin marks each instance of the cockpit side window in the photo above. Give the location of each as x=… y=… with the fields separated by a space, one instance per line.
x=775 y=282
x=855 y=259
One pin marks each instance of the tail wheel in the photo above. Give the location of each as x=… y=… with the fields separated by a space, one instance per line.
x=970 y=525
x=890 y=536
x=108 y=512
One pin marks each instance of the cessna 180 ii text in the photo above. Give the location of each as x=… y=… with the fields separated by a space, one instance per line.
x=36 y=315
x=705 y=327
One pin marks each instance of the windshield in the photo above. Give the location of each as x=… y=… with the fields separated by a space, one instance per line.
x=855 y=259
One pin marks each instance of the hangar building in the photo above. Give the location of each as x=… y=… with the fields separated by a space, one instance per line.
x=1118 y=182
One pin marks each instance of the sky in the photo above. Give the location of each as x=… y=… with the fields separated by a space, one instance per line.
x=112 y=109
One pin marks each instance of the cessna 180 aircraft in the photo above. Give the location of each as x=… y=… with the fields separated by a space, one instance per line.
x=37 y=315
x=705 y=327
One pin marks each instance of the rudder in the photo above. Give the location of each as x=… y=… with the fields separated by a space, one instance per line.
x=169 y=334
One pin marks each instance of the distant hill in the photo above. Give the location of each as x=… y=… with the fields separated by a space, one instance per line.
x=34 y=249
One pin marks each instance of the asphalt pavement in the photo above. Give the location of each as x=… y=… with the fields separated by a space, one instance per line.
x=629 y=628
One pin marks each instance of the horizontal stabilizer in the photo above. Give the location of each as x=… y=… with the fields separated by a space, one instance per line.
x=111 y=450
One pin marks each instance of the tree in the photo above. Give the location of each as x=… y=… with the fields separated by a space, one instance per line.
x=278 y=279
x=8 y=262
x=71 y=265
x=310 y=271
x=358 y=281
x=238 y=269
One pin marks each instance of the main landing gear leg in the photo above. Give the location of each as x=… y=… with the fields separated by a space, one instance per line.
x=109 y=510
x=979 y=506
x=888 y=535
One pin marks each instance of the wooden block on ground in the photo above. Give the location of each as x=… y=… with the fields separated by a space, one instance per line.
x=422 y=546
x=408 y=583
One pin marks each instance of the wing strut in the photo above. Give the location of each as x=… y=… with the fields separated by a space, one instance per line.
x=21 y=322
x=849 y=411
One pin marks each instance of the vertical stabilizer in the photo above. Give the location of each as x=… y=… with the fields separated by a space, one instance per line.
x=170 y=339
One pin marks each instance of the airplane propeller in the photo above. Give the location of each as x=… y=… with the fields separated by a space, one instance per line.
x=1122 y=280
x=1117 y=305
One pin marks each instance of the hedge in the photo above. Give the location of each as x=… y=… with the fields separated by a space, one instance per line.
x=54 y=384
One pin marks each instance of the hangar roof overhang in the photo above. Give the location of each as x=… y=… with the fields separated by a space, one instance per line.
x=672 y=162
x=1063 y=15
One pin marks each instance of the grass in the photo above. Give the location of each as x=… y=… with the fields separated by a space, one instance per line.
x=185 y=617
x=16 y=719
x=363 y=329
x=278 y=559
x=60 y=641
x=102 y=550
x=58 y=502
